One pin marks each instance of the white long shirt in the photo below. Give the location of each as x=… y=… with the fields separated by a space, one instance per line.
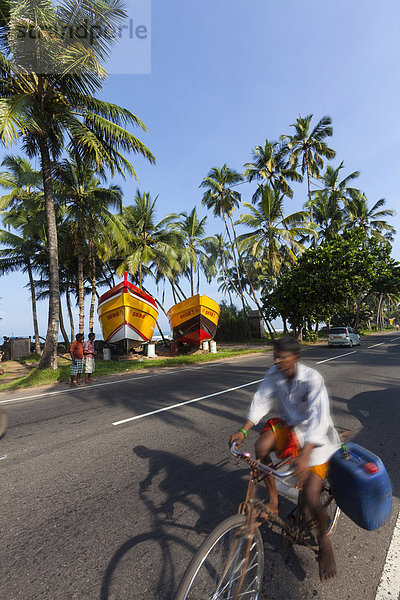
x=304 y=404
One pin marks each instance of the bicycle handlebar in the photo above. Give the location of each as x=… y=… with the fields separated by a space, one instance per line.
x=259 y=465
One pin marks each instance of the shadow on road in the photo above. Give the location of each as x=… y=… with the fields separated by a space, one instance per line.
x=207 y=491
x=184 y=502
x=378 y=412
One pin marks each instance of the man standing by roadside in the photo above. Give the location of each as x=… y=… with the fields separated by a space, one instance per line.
x=76 y=352
x=89 y=353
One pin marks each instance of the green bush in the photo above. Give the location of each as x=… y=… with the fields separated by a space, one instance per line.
x=233 y=324
x=310 y=336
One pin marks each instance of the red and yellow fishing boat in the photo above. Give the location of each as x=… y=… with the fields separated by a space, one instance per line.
x=194 y=320
x=127 y=313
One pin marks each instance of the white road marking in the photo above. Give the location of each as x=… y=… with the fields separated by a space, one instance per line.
x=389 y=586
x=394 y=339
x=380 y=344
x=83 y=387
x=335 y=357
x=154 y=412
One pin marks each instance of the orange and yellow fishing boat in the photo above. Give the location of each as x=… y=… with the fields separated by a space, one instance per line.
x=194 y=320
x=127 y=313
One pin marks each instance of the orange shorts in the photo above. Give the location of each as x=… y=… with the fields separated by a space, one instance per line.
x=287 y=444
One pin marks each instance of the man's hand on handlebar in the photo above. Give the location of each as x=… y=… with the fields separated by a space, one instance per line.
x=237 y=437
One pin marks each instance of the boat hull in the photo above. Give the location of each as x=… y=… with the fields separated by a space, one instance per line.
x=127 y=314
x=194 y=320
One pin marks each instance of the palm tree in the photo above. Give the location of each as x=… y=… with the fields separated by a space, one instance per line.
x=22 y=181
x=223 y=202
x=270 y=164
x=338 y=191
x=46 y=97
x=101 y=224
x=273 y=236
x=218 y=259
x=327 y=203
x=370 y=220
x=328 y=215
x=76 y=184
x=15 y=256
x=308 y=146
x=68 y=270
x=24 y=251
x=25 y=201
x=194 y=244
x=151 y=247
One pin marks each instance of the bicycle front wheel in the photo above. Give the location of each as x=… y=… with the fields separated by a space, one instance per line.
x=229 y=564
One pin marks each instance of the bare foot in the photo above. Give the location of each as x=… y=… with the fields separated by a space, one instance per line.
x=326 y=559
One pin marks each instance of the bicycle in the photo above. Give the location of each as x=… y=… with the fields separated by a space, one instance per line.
x=229 y=565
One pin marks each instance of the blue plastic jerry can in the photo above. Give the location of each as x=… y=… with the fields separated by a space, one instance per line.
x=361 y=486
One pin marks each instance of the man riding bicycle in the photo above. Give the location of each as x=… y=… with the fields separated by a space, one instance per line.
x=303 y=429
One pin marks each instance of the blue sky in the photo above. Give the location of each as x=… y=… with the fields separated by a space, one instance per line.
x=226 y=74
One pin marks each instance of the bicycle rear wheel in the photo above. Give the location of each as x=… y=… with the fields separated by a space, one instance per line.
x=221 y=568
x=332 y=510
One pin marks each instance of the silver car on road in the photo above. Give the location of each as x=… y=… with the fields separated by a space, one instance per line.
x=343 y=336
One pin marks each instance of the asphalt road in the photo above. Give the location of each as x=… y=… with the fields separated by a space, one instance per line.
x=96 y=510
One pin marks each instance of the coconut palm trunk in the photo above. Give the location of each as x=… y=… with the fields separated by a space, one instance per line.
x=178 y=287
x=34 y=309
x=309 y=187
x=191 y=279
x=109 y=278
x=70 y=315
x=81 y=291
x=92 y=303
x=270 y=327
x=177 y=293
x=225 y=276
x=173 y=293
x=93 y=282
x=112 y=284
x=63 y=330
x=233 y=246
x=49 y=355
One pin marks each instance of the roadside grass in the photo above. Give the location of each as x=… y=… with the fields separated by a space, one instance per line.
x=32 y=358
x=62 y=373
